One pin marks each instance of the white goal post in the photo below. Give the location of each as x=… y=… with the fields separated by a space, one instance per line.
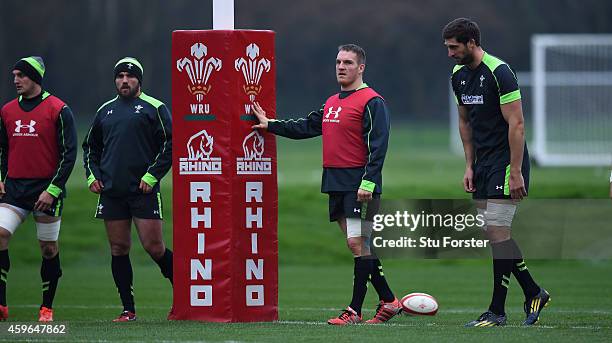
x=223 y=14
x=572 y=99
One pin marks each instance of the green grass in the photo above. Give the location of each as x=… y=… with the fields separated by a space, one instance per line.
x=315 y=273
x=419 y=165
x=87 y=300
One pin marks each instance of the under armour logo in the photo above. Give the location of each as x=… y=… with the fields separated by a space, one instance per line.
x=109 y=112
x=463 y=82
x=481 y=79
x=130 y=65
x=336 y=113
x=499 y=187
x=138 y=108
x=155 y=212
x=356 y=210
x=100 y=207
x=30 y=127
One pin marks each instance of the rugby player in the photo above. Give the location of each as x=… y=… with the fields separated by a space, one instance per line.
x=37 y=154
x=492 y=130
x=126 y=153
x=354 y=124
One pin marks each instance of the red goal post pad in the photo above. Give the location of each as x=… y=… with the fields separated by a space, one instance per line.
x=225 y=196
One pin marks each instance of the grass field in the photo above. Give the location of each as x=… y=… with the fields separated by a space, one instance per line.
x=310 y=250
x=580 y=309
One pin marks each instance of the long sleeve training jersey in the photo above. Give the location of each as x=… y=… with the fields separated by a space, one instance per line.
x=129 y=140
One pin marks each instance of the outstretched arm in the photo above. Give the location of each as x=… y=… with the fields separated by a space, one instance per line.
x=293 y=128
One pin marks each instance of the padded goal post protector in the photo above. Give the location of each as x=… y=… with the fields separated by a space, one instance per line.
x=225 y=196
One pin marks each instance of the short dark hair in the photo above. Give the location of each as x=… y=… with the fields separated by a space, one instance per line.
x=462 y=29
x=361 y=56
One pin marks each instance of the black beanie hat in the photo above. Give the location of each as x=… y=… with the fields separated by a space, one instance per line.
x=33 y=67
x=131 y=66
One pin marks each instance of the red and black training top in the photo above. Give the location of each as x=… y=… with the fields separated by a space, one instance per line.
x=355 y=129
x=37 y=142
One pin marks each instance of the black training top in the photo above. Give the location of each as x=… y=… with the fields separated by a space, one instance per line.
x=129 y=140
x=482 y=91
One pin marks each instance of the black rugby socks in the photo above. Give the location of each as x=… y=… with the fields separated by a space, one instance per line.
x=123 y=276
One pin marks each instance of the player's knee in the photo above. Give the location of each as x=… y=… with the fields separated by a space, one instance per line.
x=155 y=249
x=48 y=249
x=348 y=244
x=354 y=244
x=5 y=237
x=4 y=234
x=119 y=248
x=498 y=234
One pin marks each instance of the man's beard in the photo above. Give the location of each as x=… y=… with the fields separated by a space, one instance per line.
x=467 y=59
x=131 y=94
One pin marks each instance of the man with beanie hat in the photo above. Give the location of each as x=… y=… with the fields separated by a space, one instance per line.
x=37 y=154
x=126 y=153
x=132 y=67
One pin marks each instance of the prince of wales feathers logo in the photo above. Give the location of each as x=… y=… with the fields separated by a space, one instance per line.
x=199 y=69
x=252 y=68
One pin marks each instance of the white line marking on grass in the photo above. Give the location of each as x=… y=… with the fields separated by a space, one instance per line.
x=324 y=309
x=84 y=307
x=300 y=322
x=29 y=339
x=459 y=310
x=323 y=323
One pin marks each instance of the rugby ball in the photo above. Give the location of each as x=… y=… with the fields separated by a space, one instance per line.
x=421 y=304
